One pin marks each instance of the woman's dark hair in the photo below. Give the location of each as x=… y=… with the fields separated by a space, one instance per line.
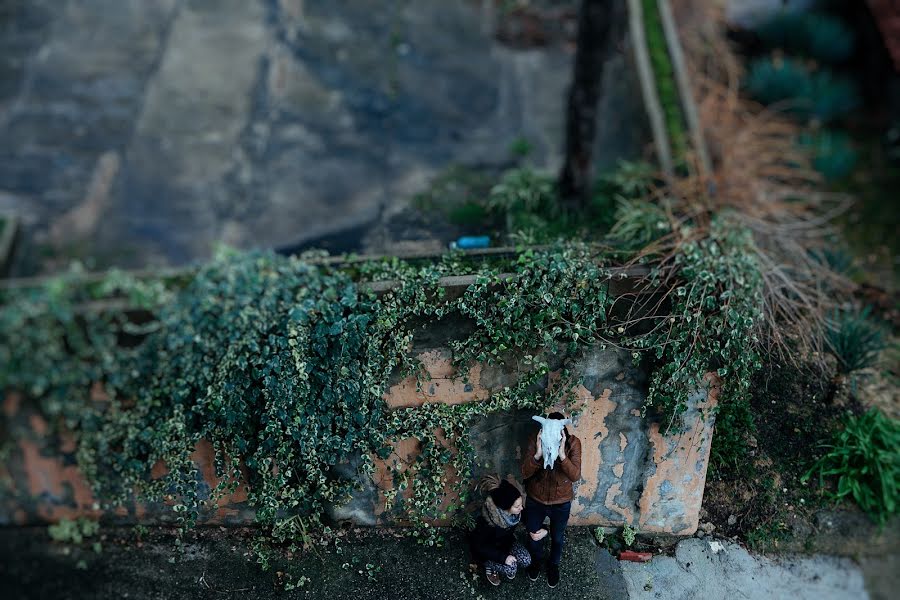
x=505 y=495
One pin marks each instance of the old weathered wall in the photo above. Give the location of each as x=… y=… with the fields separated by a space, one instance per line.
x=632 y=471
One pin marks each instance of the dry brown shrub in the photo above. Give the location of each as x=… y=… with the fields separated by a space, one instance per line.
x=762 y=178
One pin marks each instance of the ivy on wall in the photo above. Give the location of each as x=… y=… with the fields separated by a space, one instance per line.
x=281 y=364
x=715 y=306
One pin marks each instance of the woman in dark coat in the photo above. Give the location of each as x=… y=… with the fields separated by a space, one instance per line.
x=493 y=542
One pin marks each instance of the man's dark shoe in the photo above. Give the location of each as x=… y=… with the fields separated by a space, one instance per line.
x=534 y=571
x=552 y=575
x=492 y=577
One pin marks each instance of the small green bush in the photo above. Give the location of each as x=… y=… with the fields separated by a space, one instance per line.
x=854 y=339
x=520 y=147
x=528 y=202
x=807 y=94
x=864 y=458
x=523 y=190
x=832 y=153
x=770 y=82
x=628 y=180
x=836 y=257
x=639 y=223
x=814 y=35
x=73 y=531
x=628 y=535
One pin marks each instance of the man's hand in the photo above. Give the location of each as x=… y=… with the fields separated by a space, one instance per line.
x=562 y=446
x=510 y=560
x=538 y=535
x=540 y=449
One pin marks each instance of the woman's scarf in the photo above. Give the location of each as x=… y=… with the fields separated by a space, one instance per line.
x=498 y=517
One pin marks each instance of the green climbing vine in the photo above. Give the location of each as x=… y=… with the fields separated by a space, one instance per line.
x=714 y=291
x=281 y=365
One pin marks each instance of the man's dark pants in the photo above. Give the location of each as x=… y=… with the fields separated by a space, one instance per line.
x=535 y=513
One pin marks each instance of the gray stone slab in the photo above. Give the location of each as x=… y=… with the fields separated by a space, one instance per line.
x=714 y=570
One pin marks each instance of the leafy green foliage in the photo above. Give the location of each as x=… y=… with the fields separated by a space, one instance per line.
x=814 y=35
x=75 y=532
x=807 y=94
x=854 y=339
x=281 y=366
x=629 y=181
x=523 y=191
x=54 y=354
x=260 y=356
x=520 y=147
x=529 y=203
x=628 y=535
x=864 y=458
x=525 y=202
x=639 y=223
x=712 y=323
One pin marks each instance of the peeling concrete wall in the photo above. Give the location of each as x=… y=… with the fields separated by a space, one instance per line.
x=633 y=471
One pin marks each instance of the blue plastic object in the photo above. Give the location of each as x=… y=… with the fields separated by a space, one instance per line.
x=470 y=242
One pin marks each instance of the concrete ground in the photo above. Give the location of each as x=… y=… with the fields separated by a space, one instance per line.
x=373 y=565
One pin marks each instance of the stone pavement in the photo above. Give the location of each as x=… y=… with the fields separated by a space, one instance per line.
x=143 y=132
x=377 y=564
x=708 y=569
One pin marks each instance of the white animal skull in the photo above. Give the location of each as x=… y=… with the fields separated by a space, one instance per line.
x=551 y=435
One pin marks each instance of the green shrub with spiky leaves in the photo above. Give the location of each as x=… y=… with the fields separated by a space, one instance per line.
x=814 y=35
x=801 y=91
x=639 y=223
x=854 y=339
x=864 y=460
x=836 y=257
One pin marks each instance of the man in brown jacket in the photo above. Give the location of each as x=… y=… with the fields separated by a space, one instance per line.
x=550 y=494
